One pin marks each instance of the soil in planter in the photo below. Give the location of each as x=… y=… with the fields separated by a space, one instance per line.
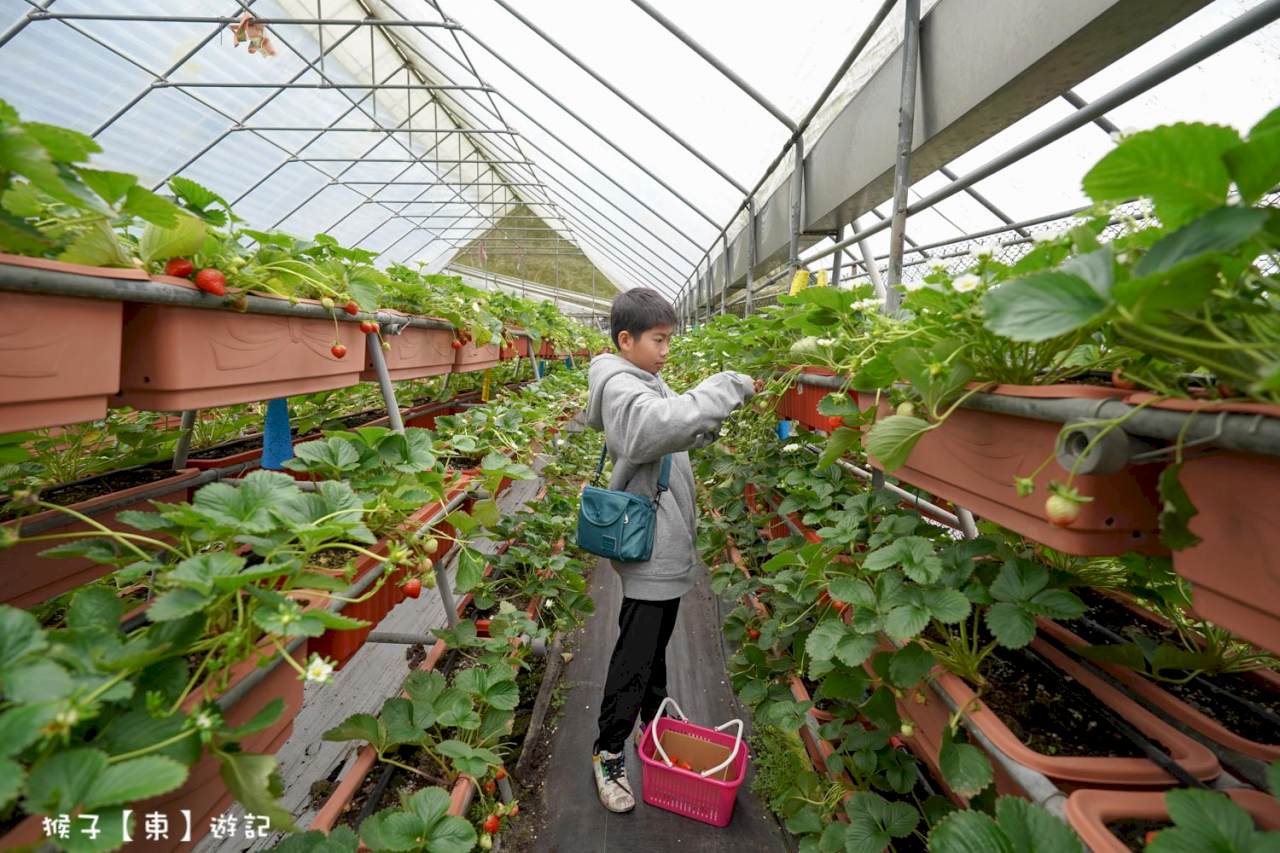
x=1232 y=716
x=1043 y=712
x=230 y=448
x=1133 y=833
x=823 y=704
x=459 y=463
x=360 y=418
x=116 y=481
x=519 y=602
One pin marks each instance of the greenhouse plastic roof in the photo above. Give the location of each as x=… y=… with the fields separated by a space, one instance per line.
x=302 y=142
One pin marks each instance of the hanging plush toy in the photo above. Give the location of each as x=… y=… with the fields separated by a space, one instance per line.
x=255 y=34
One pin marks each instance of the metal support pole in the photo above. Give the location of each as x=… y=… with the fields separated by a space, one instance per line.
x=1078 y=102
x=751 y=251
x=967 y=525
x=717 y=64
x=446 y=594
x=906 y=133
x=374 y=345
x=835 y=264
x=797 y=205
x=724 y=285
x=184 y=440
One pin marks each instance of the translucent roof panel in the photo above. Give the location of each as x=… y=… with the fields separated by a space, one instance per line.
x=413 y=140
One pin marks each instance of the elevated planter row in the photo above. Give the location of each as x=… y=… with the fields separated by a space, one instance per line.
x=1264 y=681
x=66 y=358
x=931 y=717
x=29 y=579
x=972 y=458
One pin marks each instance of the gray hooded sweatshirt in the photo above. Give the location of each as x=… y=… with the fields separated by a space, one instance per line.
x=642 y=420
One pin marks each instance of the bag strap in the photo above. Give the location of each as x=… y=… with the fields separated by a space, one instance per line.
x=664 y=476
x=604 y=453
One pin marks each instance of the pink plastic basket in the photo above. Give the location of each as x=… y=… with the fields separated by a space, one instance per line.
x=687 y=792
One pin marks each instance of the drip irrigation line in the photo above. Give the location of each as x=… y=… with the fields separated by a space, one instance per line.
x=1199 y=680
x=1095 y=706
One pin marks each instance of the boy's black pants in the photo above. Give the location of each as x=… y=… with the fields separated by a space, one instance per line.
x=637 y=679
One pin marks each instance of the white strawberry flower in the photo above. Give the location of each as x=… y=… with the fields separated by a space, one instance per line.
x=790 y=448
x=1049 y=235
x=913 y=286
x=984 y=250
x=938 y=264
x=319 y=670
x=966 y=283
x=868 y=304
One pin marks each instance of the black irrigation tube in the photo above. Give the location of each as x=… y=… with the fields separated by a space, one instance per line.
x=1248 y=433
x=1199 y=680
x=1096 y=707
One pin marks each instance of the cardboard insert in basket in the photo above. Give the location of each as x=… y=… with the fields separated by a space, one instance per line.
x=700 y=754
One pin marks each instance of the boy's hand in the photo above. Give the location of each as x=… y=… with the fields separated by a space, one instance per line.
x=759 y=385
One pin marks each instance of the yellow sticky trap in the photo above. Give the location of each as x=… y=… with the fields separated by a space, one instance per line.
x=800 y=281
x=822 y=278
x=484 y=392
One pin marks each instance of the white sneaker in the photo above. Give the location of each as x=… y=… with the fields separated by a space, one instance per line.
x=610 y=770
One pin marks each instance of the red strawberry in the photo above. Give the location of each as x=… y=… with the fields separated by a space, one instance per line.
x=753 y=633
x=351 y=308
x=515 y=810
x=834 y=422
x=489 y=787
x=412 y=587
x=456 y=344
x=212 y=281
x=338 y=349
x=491 y=824
x=368 y=327
x=1061 y=510
x=501 y=774
x=179 y=268
x=1119 y=380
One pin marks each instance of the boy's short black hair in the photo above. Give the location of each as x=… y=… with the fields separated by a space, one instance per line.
x=637 y=311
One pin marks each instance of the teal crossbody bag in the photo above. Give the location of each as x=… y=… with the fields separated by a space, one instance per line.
x=620 y=525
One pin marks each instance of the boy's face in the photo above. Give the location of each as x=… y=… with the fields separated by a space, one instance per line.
x=648 y=350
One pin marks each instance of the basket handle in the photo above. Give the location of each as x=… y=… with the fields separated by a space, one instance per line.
x=658 y=741
x=737 y=743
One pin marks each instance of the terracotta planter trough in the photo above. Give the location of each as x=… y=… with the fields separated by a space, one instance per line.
x=30 y=579
x=1089 y=813
x=415 y=353
x=971 y=460
x=191 y=358
x=472 y=358
x=59 y=359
